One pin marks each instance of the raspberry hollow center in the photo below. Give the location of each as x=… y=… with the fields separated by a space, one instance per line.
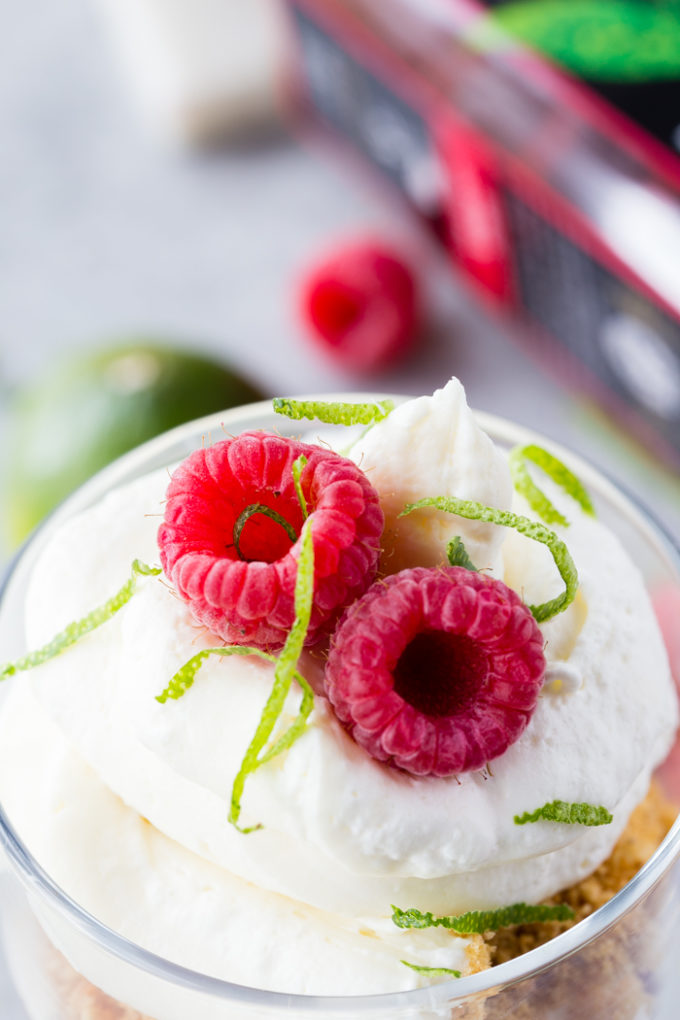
x=441 y=674
x=265 y=540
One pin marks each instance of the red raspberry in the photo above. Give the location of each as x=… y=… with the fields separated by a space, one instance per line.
x=436 y=670
x=360 y=303
x=246 y=595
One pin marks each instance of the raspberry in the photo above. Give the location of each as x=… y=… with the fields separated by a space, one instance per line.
x=243 y=589
x=436 y=670
x=360 y=304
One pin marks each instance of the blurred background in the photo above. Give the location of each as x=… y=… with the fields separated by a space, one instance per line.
x=203 y=201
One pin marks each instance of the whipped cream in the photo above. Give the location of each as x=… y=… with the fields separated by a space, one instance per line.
x=85 y=749
x=431 y=446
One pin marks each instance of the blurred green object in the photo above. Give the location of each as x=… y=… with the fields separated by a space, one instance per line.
x=90 y=408
x=607 y=40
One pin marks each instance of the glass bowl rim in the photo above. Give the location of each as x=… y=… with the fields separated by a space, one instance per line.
x=459 y=990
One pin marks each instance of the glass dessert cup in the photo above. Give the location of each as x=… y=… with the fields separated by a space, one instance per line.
x=617 y=962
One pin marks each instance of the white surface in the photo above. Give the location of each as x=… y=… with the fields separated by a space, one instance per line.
x=104 y=234
x=11 y=1007
x=198 y=69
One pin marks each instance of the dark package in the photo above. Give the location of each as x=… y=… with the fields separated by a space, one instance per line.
x=558 y=207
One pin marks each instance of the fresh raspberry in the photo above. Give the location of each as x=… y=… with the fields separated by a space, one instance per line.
x=436 y=670
x=245 y=594
x=360 y=303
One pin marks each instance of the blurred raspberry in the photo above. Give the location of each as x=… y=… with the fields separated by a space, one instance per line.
x=360 y=304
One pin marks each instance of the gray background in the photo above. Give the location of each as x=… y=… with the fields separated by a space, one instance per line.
x=105 y=233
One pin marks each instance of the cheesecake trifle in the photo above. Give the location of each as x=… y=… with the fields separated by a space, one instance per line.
x=356 y=711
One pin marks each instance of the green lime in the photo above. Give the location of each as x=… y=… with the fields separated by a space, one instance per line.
x=91 y=408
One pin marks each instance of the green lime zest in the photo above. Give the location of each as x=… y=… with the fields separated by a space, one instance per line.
x=458 y=556
x=432 y=971
x=299 y=724
x=532 y=529
x=570 y=814
x=184 y=678
x=299 y=464
x=479 y=921
x=260 y=508
x=79 y=628
x=333 y=412
x=284 y=672
x=553 y=468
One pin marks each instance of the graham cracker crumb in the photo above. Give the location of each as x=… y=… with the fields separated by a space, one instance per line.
x=478 y=953
x=613 y=976
x=647 y=826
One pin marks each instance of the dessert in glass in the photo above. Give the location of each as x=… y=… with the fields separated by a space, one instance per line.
x=380 y=733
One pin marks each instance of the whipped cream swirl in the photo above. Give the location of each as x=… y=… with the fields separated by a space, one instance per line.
x=125 y=800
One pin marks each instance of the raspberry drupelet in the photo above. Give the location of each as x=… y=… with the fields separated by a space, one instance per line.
x=239 y=576
x=436 y=670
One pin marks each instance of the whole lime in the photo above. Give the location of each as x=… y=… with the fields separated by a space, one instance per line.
x=92 y=407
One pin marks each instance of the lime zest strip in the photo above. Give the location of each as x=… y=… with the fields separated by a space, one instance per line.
x=284 y=672
x=333 y=412
x=553 y=468
x=570 y=814
x=299 y=464
x=79 y=628
x=260 y=508
x=432 y=971
x=299 y=724
x=457 y=555
x=532 y=529
x=476 y=922
x=184 y=678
